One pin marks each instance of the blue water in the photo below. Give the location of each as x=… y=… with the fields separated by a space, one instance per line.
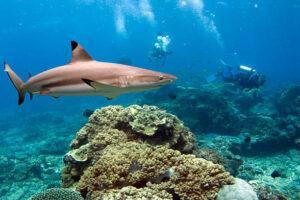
x=35 y=36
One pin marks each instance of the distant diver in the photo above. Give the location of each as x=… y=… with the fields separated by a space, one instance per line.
x=243 y=76
x=83 y=76
x=160 y=50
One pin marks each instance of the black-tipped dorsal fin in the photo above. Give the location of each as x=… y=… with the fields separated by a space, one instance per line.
x=78 y=53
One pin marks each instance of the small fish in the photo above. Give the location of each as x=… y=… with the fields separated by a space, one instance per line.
x=164 y=177
x=83 y=76
x=247 y=139
x=87 y=113
x=172 y=96
x=275 y=174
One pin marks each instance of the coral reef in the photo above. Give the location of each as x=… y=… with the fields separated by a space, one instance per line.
x=159 y=168
x=133 y=123
x=267 y=134
x=205 y=109
x=265 y=193
x=115 y=124
x=133 y=193
x=255 y=123
x=57 y=194
x=225 y=109
x=217 y=148
x=247 y=99
x=230 y=162
x=138 y=151
x=32 y=151
x=258 y=169
x=288 y=100
x=20 y=177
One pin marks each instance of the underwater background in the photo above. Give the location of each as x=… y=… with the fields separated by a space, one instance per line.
x=35 y=36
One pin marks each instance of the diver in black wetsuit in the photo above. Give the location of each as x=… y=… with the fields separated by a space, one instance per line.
x=245 y=77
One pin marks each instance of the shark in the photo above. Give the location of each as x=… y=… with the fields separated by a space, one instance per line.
x=84 y=76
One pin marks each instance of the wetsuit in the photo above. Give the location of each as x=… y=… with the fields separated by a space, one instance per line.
x=245 y=79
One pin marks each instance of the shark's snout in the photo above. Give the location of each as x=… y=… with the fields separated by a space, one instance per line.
x=169 y=77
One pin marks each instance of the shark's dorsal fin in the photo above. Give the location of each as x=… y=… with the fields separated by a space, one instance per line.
x=78 y=53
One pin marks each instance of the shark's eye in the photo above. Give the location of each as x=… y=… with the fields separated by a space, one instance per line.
x=161 y=78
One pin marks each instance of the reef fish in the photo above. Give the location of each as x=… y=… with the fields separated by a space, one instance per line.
x=83 y=76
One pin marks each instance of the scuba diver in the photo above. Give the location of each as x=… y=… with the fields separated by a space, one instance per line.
x=243 y=76
x=160 y=49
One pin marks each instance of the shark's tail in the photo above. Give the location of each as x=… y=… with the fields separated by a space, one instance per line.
x=17 y=82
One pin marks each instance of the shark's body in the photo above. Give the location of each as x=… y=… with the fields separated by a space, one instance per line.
x=83 y=76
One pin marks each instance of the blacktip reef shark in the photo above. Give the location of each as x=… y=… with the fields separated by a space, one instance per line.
x=83 y=76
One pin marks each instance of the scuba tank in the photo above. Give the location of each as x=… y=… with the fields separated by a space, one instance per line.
x=246 y=69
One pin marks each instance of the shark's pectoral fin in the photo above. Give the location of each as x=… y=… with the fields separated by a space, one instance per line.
x=78 y=53
x=100 y=86
x=109 y=91
x=89 y=82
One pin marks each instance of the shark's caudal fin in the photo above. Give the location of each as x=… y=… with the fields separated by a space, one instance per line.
x=17 y=82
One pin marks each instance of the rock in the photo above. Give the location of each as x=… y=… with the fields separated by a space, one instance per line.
x=241 y=190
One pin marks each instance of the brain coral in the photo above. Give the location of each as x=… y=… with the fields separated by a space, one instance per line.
x=57 y=194
x=137 y=152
